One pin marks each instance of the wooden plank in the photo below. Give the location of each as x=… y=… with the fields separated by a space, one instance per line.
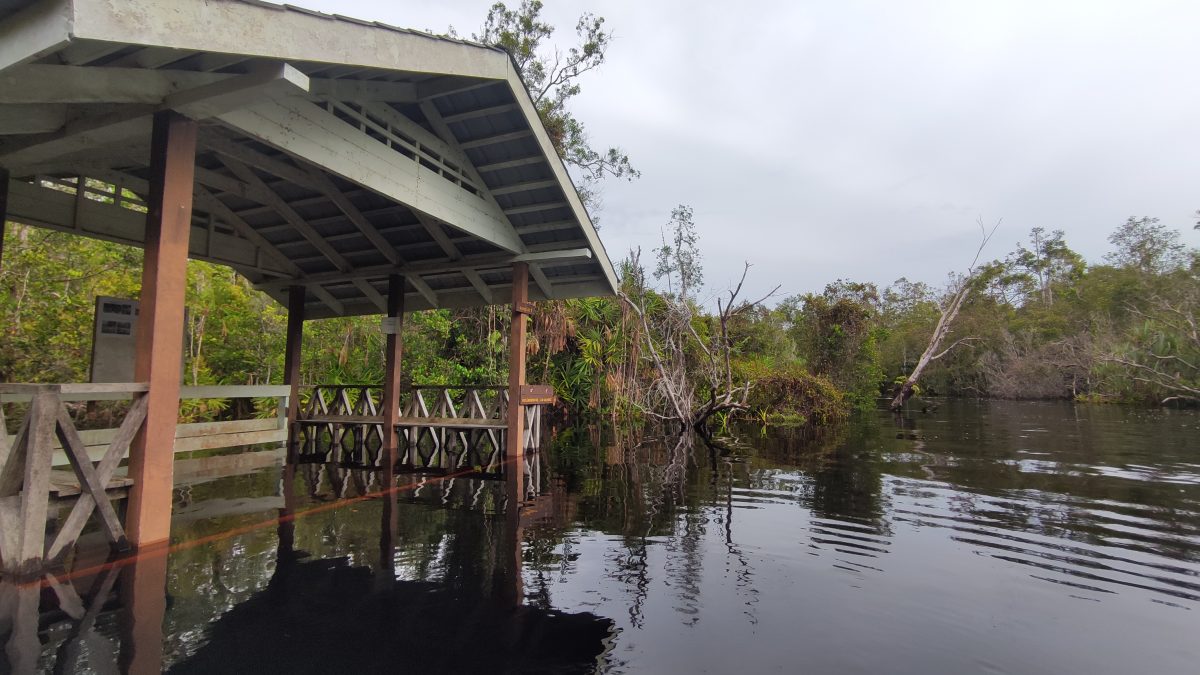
x=230 y=440
x=196 y=429
x=35 y=489
x=75 y=389
x=235 y=391
x=12 y=462
x=66 y=484
x=342 y=419
x=450 y=423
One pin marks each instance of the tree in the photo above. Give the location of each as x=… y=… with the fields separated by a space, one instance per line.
x=691 y=357
x=1050 y=261
x=961 y=289
x=552 y=78
x=1147 y=245
x=679 y=259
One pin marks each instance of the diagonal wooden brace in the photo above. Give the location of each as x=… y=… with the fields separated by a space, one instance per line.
x=92 y=481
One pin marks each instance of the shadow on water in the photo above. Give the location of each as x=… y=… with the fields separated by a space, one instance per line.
x=995 y=537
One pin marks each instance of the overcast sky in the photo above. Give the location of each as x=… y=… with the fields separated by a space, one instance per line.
x=862 y=140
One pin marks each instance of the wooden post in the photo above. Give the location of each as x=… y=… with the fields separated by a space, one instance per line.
x=33 y=450
x=159 y=343
x=514 y=446
x=291 y=363
x=393 y=357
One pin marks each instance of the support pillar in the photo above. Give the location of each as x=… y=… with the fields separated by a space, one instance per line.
x=291 y=363
x=514 y=446
x=393 y=361
x=159 y=345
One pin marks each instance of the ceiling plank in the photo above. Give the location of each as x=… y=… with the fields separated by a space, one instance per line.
x=423 y=288
x=480 y=286
x=372 y=294
x=289 y=214
x=355 y=216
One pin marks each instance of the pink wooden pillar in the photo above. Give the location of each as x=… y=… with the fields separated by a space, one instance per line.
x=514 y=450
x=291 y=363
x=393 y=363
x=159 y=343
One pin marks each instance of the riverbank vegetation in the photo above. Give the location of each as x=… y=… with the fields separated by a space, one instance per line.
x=1037 y=322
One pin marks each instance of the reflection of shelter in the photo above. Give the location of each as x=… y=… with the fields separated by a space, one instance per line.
x=325 y=616
x=345 y=168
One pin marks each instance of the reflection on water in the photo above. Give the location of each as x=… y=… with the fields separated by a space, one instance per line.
x=985 y=537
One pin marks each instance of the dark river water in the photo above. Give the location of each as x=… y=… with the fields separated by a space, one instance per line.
x=979 y=538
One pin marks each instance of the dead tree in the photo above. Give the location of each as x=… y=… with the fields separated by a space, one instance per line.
x=945 y=325
x=670 y=336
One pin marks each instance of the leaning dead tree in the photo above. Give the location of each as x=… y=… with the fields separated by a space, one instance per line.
x=945 y=325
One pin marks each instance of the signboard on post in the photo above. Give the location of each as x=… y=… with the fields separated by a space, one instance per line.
x=526 y=308
x=537 y=394
x=114 y=335
x=390 y=325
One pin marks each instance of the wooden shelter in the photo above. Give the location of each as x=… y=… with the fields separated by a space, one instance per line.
x=345 y=167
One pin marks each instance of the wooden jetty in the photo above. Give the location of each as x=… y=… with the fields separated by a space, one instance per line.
x=374 y=171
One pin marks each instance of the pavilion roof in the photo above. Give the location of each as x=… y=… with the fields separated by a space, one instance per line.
x=332 y=152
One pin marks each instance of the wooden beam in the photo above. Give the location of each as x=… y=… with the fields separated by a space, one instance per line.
x=246 y=175
x=265 y=163
x=307 y=131
x=326 y=297
x=514 y=446
x=270 y=81
x=159 y=348
x=56 y=210
x=548 y=227
x=33 y=32
x=534 y=208
x=423 y=288
x=511 y=163
x=481 y=112
x=364 y=91
x=132 y=121
x=355 y=216
x=478 y=284
x=523 y=187
x=44 y=83
x=372 y=294
x=483 y=262
x=30 y=118
x=393 y=368
x=493 y=140
x=291 y=361
x=214 y=205
x=539 y=277
x=435 y=231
